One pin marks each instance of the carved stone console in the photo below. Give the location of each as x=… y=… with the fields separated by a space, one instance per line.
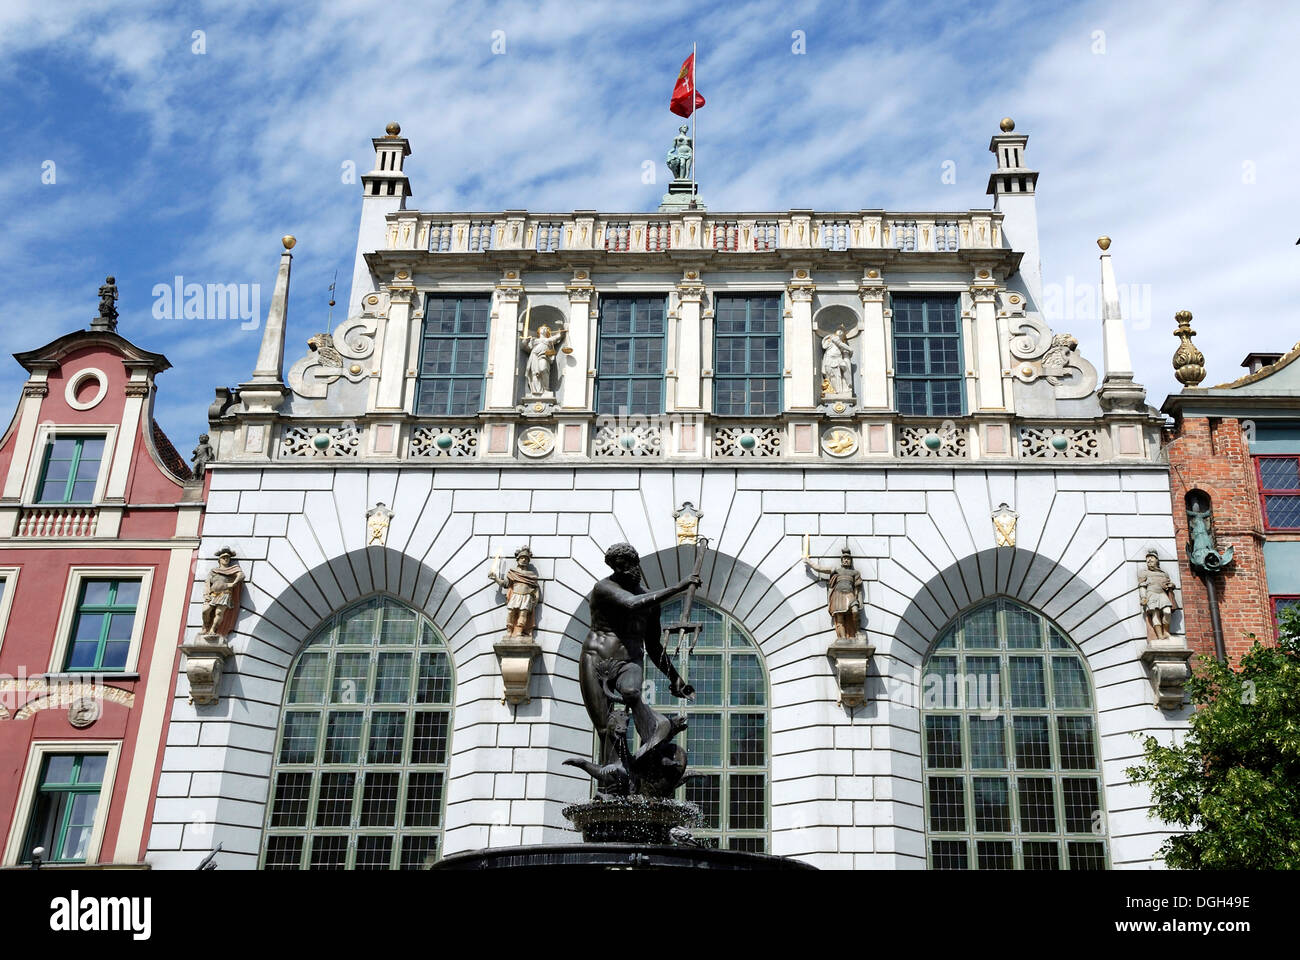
x=204 y=660
x=516 y=656
x=1167 y=662
x=852 y=658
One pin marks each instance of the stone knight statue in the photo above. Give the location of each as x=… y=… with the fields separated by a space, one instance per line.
x=1156 y=596
x=843 y=594
x=221 y=595
x=681 y=158
x=523 y=590
x=625 y=627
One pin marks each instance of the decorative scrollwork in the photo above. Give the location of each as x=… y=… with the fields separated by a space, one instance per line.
x=627 y=438
x=332 y=356
x=449 y=442
x=339 y=440
x=943 y=440
x=746 y=441
x=1032 y=339
x=1060 y=443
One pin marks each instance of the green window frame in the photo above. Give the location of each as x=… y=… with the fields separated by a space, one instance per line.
x=103 y=627
x=631 y=347
x=359 y=775
x=928 y=365
x=453 y=356
x=70 y=469
x=63 y=814
x=1010 y=748
x=728 y=737
x=747 y=355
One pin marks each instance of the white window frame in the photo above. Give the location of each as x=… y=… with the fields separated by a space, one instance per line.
x=37 y=752
x=9 y=575
x=68 y=615
x=44 y=433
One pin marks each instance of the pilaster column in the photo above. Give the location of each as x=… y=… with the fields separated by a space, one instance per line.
x=504 y=340
x=690 y=294
x=574 y=383
x=988 y=358
x=875 y=343
x=395 y=346
x=800 y=359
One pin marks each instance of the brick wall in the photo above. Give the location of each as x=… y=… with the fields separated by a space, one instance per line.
x=1211 y=454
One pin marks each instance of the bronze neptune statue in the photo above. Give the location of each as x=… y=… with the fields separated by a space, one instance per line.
x=624 y=628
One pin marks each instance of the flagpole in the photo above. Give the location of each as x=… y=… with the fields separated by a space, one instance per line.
x=695 y=154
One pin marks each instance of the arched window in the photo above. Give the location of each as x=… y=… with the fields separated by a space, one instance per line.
x=727 y=739
x=360 y=766
x=1012 y=766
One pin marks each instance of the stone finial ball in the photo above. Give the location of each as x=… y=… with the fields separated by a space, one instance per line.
x=393 y=129
x=1103 y=242
x=1007 y=124
x=288 y=240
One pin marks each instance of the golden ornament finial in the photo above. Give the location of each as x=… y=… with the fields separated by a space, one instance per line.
x=393 y=129
x=1103 y=242
x=288 y=240
x=1189 y=363
x=1007 y=124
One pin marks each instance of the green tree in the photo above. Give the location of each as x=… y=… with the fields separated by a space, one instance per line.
x=1233 y=781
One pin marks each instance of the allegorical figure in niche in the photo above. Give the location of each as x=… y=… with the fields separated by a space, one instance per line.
x=843 y=594
x=625 y=627
x=541 y=353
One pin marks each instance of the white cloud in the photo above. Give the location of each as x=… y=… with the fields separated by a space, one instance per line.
x=202 y=162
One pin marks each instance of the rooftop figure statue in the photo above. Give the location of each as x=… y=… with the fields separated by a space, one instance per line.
x=681 y=158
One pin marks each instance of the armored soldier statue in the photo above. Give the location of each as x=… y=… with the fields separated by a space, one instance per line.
x=522 y=592
x=221 y=595
x=1156 y=595
x=843 y=594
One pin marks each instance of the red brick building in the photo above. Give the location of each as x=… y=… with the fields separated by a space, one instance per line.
x=98 y=525
x=1238 y=444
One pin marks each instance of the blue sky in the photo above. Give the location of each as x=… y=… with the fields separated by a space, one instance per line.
x=1168 y=126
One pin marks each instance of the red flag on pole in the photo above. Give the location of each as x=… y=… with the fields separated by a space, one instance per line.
x=685 y=100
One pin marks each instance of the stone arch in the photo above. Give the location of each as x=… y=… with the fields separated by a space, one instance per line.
x=1086 y=605
x=835 y=315
x=225 y=750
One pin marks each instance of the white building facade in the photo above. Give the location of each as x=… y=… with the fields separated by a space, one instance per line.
x=998 y=497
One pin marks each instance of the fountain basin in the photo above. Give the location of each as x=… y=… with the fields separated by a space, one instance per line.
x=614 y=856
x=634 y=819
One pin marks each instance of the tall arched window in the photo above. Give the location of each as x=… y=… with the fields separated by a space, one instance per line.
x=1012 y=766
x=361 y=760
x=727 y=736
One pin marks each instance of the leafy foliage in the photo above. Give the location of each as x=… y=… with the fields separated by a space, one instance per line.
x=1234 y=780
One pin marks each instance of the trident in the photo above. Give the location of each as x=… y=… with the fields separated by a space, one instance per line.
x=684 y=627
